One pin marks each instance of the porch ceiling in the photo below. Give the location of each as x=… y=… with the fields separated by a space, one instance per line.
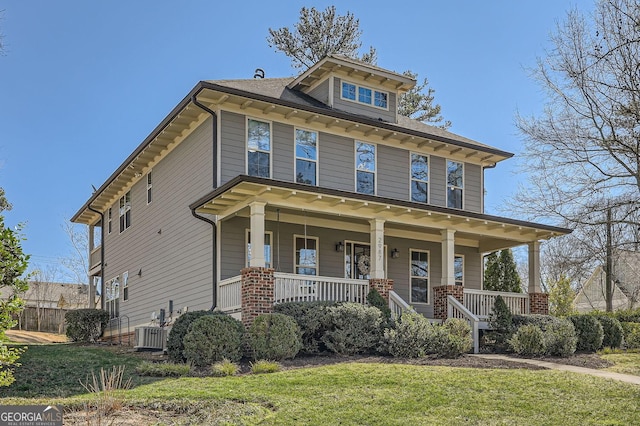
x=402 y=218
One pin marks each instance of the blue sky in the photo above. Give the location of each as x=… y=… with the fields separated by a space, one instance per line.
x=82 y=83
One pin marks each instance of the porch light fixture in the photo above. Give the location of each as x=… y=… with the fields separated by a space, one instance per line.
x=339 y=247
x=395 y=253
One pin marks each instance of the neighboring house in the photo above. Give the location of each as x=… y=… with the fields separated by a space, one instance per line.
x=626 y=285
x=254 y=192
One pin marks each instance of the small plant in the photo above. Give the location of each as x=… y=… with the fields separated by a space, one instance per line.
x=105 y=387
x=273 y=336
x=375 y=299
x=86 y=325
x=212 y=338
x=589 y=332
x=263 y=367
x=501 y=321
x=225 y=368
x=528 y=341
x=162 y=369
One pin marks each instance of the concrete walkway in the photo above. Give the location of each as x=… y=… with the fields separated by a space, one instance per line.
x=628 y=378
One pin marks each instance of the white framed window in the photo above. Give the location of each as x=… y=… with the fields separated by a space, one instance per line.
x=455 y=182
x=419 y=178
x=258 y=148
x=149 y=188
x=306 y=170
x=306 y=255
x=419 y=276
x=268 y=238
x=112 y=297
x=125 y=286
x=125 y=211
x=365 y=95
x=365 y=168
x=109 y=216
x=458 y=269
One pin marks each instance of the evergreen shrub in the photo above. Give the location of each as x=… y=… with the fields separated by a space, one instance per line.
x=86 y=325
x=612 y=329
x=353 y=329
x=528 y=340
x=175 y=345
x=274 y=337
x=313 y=320
x=631 y=335
x=589 y=332
x=212 y=338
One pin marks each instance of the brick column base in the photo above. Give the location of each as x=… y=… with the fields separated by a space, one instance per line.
x=257 y=293
x=440 y=294
x=384 y=286
x=539 y=303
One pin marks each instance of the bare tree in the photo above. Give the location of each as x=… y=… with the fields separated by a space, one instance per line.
x=76 y=263
x=582 y=154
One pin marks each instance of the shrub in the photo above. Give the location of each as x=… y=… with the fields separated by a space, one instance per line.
x=559 y=333
x=454 y=338
x=162 y=369
x=313 y=320
x=612 y=337
x=212 y=338
x=175 y=344
x=86 y=325
x=410 y=337
x=589 y=332
x=224 y=368
x=353 y=329
x=501 y=322
x=274 y=336
x=627 y=315
x=528 y=341
x=375 y=299
x=263 y=367
x=631 y=335
x=542 y=321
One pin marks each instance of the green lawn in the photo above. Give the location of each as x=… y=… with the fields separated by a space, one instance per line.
x=361 y=394
x=625 y=362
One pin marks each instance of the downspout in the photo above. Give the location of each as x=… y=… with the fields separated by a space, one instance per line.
x=101 y=255
x=214 y=229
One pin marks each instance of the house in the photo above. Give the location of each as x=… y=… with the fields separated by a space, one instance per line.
x=626 y=285
x=254 y=192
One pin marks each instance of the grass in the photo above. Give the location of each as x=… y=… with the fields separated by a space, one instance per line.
x=356 y=394
x=625 y=362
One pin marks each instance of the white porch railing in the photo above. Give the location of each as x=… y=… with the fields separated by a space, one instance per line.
x=230 y=294
x=455 y=309
x=480 y=302
x=300 y=288
x=398 y=305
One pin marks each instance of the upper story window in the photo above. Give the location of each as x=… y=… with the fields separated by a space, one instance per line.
x=419 y=178
x=364 y=95
x=258 y=148
x=419 y=276
x=458 y=269
x=365 y=168
x=149 y=187
x=306 y=255
x=125 y=211
x=109 y=215
x=455 y=179
x=306 y=157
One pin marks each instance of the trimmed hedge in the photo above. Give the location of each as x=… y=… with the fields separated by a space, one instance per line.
x=86 y=325
x=612 y=329
x=631 y=335
x=528 y=341
x=455 y=340
x=212 y=338
x=313 y=320
x=175 y=344
x=560 y=337
x=589 y=332
x=274 y=337
x=353 y=329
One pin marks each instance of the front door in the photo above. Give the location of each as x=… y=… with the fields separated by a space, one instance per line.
x=357 y=257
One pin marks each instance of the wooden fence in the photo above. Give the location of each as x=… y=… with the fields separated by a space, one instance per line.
x=51 y=320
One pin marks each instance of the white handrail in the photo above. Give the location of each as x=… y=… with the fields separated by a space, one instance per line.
x=481 y=302
x=398 y=305
x=455 y=309
x=230 y=294
x=300 y=288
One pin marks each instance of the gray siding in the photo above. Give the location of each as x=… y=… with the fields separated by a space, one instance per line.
x=438 y=181
x=170 y=247
x=336 y=162
x=362 y=109
x=472 y=188
x=321 y=92
x=283 y=163
x=232 y=146
x=472 y=267
x=393 y=172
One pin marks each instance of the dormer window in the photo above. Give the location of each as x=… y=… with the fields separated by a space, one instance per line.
x=364 y=95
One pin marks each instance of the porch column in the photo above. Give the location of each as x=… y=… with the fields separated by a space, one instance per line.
x=448 y=255
x=257 y=234
x=534 y=267
x=376 y=265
